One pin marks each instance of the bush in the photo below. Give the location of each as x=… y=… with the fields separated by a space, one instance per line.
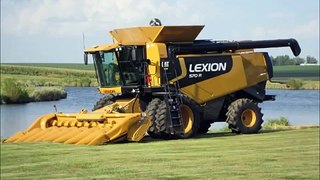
x=13 y=92
x=48 y=94
x=276 y=123
x=295 y=83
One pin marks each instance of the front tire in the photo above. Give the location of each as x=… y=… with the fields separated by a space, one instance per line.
x=151 y=110
x=190 y=119
x=104 y=101
x=244 y=116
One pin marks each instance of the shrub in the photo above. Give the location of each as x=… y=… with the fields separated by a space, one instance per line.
x=48 y=94
x=13 y=92
x=295 y=83
x=276 y=123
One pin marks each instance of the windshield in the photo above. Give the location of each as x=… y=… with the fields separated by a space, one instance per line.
x=107 y=69
x=118 y=68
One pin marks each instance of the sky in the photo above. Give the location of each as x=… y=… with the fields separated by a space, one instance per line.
x=50 y=31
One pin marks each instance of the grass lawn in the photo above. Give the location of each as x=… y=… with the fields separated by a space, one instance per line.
x=291 y=154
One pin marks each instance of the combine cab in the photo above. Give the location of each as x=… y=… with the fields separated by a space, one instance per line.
x=160 y=80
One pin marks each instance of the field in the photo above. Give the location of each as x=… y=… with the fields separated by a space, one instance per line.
x=49 y=74
x=291 y=154
x=302 y=72
x=57 y=65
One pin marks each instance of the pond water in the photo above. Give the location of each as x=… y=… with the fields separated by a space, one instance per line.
x=301 y=107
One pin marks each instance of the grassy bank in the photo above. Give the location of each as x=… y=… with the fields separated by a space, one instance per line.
x=292 y=154
x=13 y=92
x=308 y=85
x=48 y=76
x=295 y=77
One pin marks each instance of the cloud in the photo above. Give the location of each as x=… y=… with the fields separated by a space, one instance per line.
x=60 y=23
x=70 y=18
x=307 y=30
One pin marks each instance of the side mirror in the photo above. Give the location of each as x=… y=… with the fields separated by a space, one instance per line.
x=85 y=58
x=147 y=61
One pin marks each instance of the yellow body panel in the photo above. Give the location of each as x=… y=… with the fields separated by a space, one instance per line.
x=111 y=90
x=183 y=70
x=104 y=47
x=155 y=51
x=247 y=70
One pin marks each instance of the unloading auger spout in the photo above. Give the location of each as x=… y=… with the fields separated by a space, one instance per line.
x=237 y=45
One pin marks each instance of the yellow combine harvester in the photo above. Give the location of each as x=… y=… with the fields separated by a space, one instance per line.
x=160 y=80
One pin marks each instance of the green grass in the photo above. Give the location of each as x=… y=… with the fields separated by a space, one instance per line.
x=310 y=85
x=47 y=71
x=48 y=76
x=292 y=154
x=302 y=72
x=57 y=65
x=13 y=92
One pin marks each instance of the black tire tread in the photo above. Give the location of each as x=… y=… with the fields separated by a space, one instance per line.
x=151 y=110
x=234 y=112
x=104 y=101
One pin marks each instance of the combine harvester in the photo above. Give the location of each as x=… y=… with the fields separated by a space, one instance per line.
x=160 y=80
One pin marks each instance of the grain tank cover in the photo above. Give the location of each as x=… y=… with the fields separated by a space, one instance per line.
x=156 y=34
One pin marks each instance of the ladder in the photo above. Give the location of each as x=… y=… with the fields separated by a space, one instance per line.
x=173 y=99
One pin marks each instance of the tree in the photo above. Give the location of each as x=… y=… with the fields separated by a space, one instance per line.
x=273 y=60
x=299 y=60
x=283 y=60
x=311 y=60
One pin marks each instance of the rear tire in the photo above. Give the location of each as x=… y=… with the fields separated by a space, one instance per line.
x=244 y=116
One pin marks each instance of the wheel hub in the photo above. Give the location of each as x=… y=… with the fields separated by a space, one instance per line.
x=248 y=118
x=187 y=118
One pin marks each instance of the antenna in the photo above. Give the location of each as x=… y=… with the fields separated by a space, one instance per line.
x=85 y=55
x=83 y=41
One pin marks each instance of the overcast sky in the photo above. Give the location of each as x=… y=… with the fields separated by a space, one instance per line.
x=50 y=31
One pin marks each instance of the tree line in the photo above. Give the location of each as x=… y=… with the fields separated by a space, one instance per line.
x=286 y=60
